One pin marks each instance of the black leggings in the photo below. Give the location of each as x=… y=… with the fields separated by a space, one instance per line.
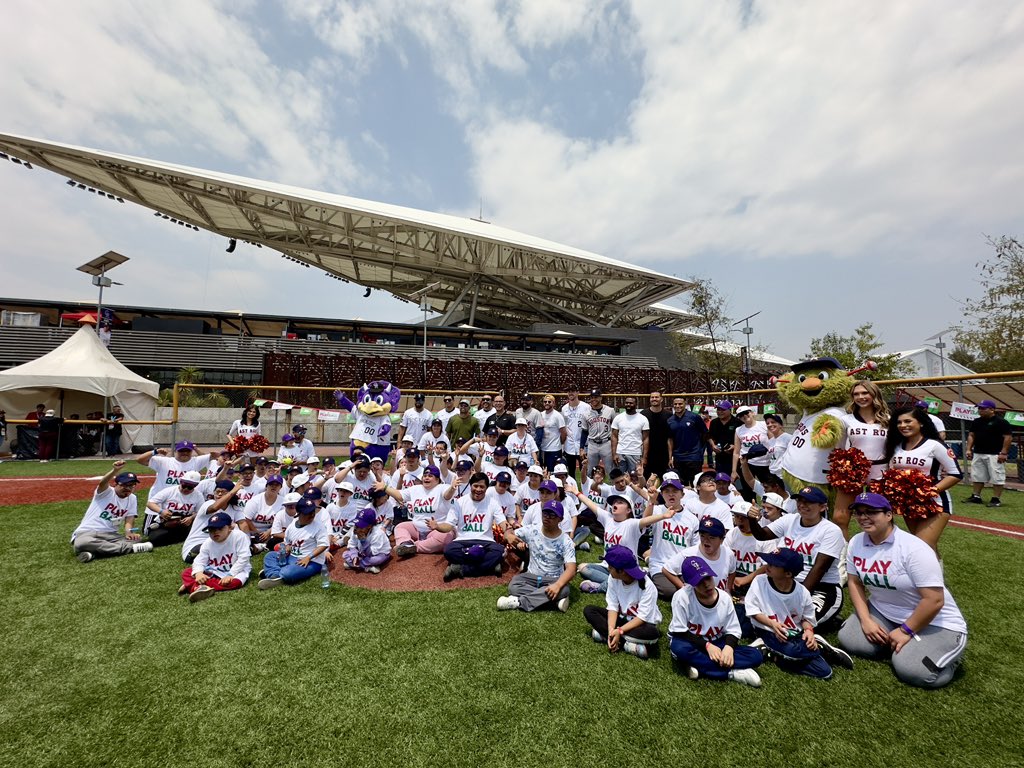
x=597 y=617
x=161 y=537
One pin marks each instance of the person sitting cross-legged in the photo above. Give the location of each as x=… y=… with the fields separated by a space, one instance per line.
x=222 y=563
x=552 y=564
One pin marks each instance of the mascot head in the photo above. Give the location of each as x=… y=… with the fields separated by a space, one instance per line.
x=817 y=384
x=378 y=398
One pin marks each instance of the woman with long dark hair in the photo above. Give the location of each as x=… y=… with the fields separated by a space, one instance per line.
x=247 y=425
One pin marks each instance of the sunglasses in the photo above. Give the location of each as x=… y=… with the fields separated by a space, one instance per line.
x=187 y=486
x=863 y=511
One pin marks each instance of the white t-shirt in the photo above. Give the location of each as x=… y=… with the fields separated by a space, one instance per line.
x=169 y=470
x=172 y=500
x=533 y=516
x=894 y=571
x=824 y=538
x=937 y=423
x=870 y=439
x=744 y=548
x=430 y=444
x=631 y=429
x=634 y=601
x=281 y=522
x=229 y=558
x=444 y=415
x=416 y=423
x=291 y=455
x=776 y=450
x=341 y=518
x=362 y=488
x=474 y=521
x=670 y=537
x=482 y=416
x=425 y=505
x=520 y=448
x=711 y=623
x=533 y=416
x=931 y=458
x=196 y=534
x=723 y=566
x=106 y=512
x=625 y=534
x=596 y=491
x=261 y=513
x=548 y=556
x=637 y=503
x=802 y=459
x=305 y=449
x=506 y=501
x=575 y=417
x=526 y=496
x=375 y=543
x=302 y=541
x=791 y=609
x=412 y=477
x=751 y=436
x=552 y=424
x=717 y=509
x=245 y=493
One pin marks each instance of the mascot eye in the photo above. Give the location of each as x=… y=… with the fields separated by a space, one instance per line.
x=367 y=398
x=801 y=378
x=823 y=375
x=379 y=400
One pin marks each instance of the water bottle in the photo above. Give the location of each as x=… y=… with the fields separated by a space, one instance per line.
x=282 y=554
x=325 y=577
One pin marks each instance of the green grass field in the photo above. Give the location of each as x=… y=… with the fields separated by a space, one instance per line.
x=104 y=665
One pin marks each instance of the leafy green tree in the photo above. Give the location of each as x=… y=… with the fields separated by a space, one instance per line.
x=193 y=398
x=992 y=334
x=863 y=345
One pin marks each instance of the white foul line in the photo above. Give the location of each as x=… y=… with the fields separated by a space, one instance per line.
x=987 y=528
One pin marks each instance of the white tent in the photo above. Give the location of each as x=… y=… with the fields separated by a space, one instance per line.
x=83 y=364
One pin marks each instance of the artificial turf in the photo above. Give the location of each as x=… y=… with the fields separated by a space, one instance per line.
x=104 y=665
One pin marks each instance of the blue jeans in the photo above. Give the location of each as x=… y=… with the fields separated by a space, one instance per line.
x=290 y=572
x=744 y=657
x=597 y=573
x=794 y=656
x=113 y=444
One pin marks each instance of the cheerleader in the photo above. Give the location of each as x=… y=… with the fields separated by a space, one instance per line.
x=247 y=426
x=913 y=442
x=866 y=420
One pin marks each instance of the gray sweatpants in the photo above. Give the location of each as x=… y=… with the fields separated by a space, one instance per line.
x=666 y=589
x=102 y=544
x=929 y=663
x=530 y=591
x=597 y=453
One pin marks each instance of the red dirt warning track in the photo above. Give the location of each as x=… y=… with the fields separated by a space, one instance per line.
x=42 y=490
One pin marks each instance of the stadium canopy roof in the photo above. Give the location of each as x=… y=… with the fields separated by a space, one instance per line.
x=509 y=278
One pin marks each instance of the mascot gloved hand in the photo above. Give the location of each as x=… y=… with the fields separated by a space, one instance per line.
x=373 y=406
x=820 y=389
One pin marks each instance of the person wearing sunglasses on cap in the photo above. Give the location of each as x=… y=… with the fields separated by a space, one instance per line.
x=902 y=610
x=175 y=507
x=112 y=508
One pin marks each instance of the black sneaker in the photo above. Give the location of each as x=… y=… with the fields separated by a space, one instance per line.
x=834 y=656
x=994 y=502
x=974 y=499
x=453 y=571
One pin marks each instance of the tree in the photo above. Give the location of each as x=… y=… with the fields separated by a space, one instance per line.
x=993 y=335
x=193 y=398
x=853 y=351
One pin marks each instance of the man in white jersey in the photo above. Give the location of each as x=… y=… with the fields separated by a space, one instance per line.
x=484 y=411
x=599 y=432
x=575 y=413
x=415 y=421
x=553 y=435
x=110 y=509
x=531 y=414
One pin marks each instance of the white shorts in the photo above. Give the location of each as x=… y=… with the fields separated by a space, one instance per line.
x=985 y=468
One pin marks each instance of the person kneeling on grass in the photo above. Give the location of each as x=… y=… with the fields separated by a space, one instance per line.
x=630 y=621
x=97 y=535
x=301 y=555
x=705 y=630
x=473 y=518
x=222 y=562
x=552 y=564
x=782 y=613
x=368 y=545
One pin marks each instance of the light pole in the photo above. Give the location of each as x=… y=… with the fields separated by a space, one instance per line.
x=98 y=268
x=421 y=294
x=940 y=345
x=747 y=331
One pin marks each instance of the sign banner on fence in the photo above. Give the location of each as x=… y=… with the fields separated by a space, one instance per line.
x=259 y=403
x=964 y=411
x=328 y=416
x=1017 y=419
x=769 y=408
x=306 y=411
x=281 y=407
x=933 y=405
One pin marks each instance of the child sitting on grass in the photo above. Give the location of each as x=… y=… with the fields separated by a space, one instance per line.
x=222 y=562
x=782 y=613
x=301 y=555
x=706 y=631
x=630 y=621
x=552 y=564
x=368 y=545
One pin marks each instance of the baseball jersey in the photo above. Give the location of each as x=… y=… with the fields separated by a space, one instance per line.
x=717 y=509
x=751 y=436
x=869 y=439
x=931 y=458
x=425 y=505
x=599 y=424
x=670 y=537
x=533 y=417
x=633 y=600
x=106 y=512
x=225 y=559
x=575 y=422
x=802 y=459
x=710 y=622
x=520 y=448
x=894 y=571
x=416 y=423
x=169 y=470
x=723 y=565
x=790 y=609
x=172 y=500
x=548 y=556
x=474 y=520
x=823 y=538
x=552 y=424
x=261 y=513
x=630 y=429
x=374 y=543
x=302 y=541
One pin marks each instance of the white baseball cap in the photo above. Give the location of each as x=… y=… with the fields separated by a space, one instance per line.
x=669 y=476
x=300 y=479
x=743 y=409
x=771 y=498
x=560 y=469
x=191 y=477
x=313 y=460
x=522 y=421
x=556 y=480
x=743 y=508
x=345 y=485
x=292 y=498
x=535 y=470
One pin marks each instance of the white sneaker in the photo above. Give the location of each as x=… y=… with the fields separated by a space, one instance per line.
x=842 y=565
x=269 y=583
x=261 y=547
x=746 y=677
x=596 y=636
x=834 y=656
x=563 y=604
x=84 y=557
x=585 y=546
x=636 y=649
x=508 y=603
x=204 y=591
x=373 y=569
x=141 y=546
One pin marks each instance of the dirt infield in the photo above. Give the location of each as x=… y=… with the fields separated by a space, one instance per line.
x=986 y=526
x=420 y=573
x=42 y=490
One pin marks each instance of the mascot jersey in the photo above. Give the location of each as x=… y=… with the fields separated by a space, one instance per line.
x=367 y=429
x=802 y=459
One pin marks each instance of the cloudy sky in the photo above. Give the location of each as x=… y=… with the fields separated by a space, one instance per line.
x=825 y=163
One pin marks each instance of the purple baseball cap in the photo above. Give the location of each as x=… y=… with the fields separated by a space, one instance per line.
x=622 y=559
x=785 y=558
x=694 y=570
x=554 y=507
x=987 y=404
x=184 y=445
x=673 y=483
x=287 y=438
x=872 y=501
x=275 y=479
x=366 y=518
x=724 y=405
x=430 y=469
x=549 y=486
x=722 y=477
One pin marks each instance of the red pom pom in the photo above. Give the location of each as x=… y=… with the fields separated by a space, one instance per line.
x=258 y=443
x=911 y=493
x=848 y=470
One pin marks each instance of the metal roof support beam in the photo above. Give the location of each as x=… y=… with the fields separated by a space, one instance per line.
x=447 y=316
